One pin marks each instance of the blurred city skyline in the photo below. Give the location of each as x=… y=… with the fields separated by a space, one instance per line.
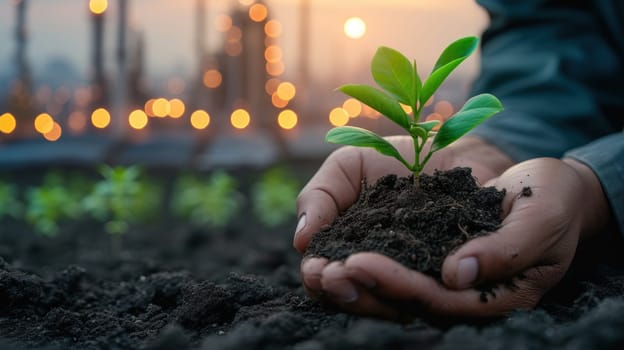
x=316 y=54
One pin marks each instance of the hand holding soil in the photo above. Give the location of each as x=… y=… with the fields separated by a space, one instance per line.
x=537 y=240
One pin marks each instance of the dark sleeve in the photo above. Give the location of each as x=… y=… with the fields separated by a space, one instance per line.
x=557 y=72
x=606 y=158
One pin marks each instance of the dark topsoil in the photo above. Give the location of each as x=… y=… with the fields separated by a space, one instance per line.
x=174 y=287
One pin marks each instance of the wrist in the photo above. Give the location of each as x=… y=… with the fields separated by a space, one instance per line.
x=596 y=212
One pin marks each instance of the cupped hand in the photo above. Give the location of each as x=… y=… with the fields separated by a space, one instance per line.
x=336 y=185
x=537 y=241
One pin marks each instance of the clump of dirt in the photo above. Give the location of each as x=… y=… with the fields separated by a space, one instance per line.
x=417 y=227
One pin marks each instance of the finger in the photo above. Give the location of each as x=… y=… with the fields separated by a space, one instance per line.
x=395 y=282
x=311 y=270
x=332 y=189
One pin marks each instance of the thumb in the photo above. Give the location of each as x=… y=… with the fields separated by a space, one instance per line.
x=520 y=243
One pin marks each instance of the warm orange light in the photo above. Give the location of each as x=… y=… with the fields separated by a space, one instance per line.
x=98 y=7
x=100 y=118
x=277 y=101
x=258 y=12
x=443 y=108
x=8 y=123
x=369 y=112
x=273 y=54
x=286 y=91
x=275 y=69
x=137 y=119
x=353 y=107
x=177 y=108
x=223 y=23
x=149 y=107
x=240 y=119
x=55 y=133
x=200 y=119
x=271 y=86
x=273 y=29
x=82 y=96
x=77 y=122
x=435 y=116
x=161 y=107
x=44 y=123
x=338 y=117
x=212 y=78
x=287 y=119
x=355 y=28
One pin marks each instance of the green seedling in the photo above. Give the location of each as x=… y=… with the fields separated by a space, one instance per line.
x=274 y=196
x=212 y=202
x=119 y=199
x=401 y=85
x=50 y=203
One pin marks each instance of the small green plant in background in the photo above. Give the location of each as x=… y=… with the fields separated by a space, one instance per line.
x=274 y=197
x=120 y=198
x=10 y=204
x=50 y=203
x=212 y=202
x=401 y=84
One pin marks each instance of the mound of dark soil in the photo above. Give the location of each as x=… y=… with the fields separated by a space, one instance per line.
x=417 y=227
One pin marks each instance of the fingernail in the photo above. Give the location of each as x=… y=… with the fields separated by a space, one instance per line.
x=301 y=224
x=346 y=292
x=467 y=271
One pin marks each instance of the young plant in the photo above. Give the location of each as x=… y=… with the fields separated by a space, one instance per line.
x=213 y=202
x=401 y=85
x=273 y=197
x=120 y=199
x=10 y=205
x=50 y=203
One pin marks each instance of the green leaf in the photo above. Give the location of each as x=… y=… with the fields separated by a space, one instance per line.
x=417 y=88
x=418 y=132
x=475 y=111
x=379 y=101
x=354 y=136
x=394 y=73
x=451 y=57
x=429 y=125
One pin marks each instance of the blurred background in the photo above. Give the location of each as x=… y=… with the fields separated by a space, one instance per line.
x=204 y=82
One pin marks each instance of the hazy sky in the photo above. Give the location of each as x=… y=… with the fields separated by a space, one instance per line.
x=419 y=28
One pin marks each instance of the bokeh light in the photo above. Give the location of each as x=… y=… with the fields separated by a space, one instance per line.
x=277 y=101
x=223 y=23
x=137 y=119
x=212 y=79
x=149 y=107
x=177 y=108
x=98 y=7
x=286 y=91
x=273 y=54
x=355 y=27
x=273 y=29
x=258 y=12
x=8 y=123
x=100 y=118
x=240 y=119
x=275 y=68
x=443 y=108
x=287 y=119
x=338 y=117
x=200 y=119
x=44 y=123
x=161 y=107
x=54 y=134
x=353 y=107
x=271 y=86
